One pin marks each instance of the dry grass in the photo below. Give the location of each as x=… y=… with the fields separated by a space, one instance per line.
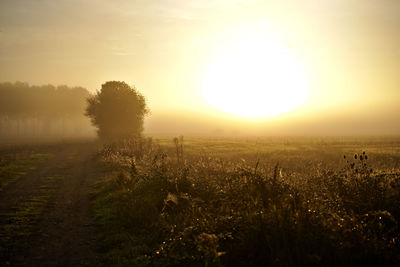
x=278 y=201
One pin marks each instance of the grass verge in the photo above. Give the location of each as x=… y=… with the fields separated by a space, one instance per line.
x=11 y=170
x=22 y=220
x=160 y=210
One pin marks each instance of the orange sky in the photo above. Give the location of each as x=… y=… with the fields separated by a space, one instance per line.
x=349 y=49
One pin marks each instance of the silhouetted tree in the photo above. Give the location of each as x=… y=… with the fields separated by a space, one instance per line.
x=117 y=110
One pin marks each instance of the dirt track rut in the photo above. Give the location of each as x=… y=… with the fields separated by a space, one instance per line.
x=64 y=235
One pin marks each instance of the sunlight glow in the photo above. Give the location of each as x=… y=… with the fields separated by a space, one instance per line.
x=255 y=77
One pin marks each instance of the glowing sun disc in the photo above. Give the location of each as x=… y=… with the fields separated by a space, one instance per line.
x=255 y=78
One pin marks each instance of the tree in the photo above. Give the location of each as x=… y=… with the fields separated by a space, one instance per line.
x=117 y=110
x=45 y=111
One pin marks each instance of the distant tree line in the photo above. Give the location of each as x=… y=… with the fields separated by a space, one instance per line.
x=28 y=111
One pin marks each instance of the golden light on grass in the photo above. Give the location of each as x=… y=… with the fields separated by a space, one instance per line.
x=255 y=76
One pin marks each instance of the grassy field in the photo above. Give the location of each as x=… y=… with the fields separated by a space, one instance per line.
x=326 y=151
x=17 y=161
x=276 y=201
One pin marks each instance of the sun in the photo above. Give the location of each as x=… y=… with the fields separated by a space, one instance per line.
x=254 y=76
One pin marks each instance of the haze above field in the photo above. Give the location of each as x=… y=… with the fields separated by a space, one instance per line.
x=348 y=51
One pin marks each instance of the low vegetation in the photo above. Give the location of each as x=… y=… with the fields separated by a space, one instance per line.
x=15 y=162
x=181 y=204
x=19 y=220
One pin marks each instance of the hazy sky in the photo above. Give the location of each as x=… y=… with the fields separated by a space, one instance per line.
x=349 y=49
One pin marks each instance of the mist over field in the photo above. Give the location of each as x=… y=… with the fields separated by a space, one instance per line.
x=351 y=123
x=48 y=112
x=199 y=133
x=43 y=113
x=347 y=52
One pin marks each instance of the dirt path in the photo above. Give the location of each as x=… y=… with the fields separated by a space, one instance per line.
x=64 y=234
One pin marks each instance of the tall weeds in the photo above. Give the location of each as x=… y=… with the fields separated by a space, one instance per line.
x=209 y=212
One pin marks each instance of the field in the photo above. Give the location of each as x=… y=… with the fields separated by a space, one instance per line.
x=279 y=201
x=251 y=202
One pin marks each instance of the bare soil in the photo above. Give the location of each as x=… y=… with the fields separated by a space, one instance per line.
x=64 y=235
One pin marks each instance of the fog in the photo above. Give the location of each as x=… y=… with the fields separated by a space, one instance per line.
x=43 y=113
x=348 y=51
x=339 y=123
x=52 y=113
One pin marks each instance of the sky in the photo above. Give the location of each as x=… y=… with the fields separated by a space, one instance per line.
x=349 y=51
